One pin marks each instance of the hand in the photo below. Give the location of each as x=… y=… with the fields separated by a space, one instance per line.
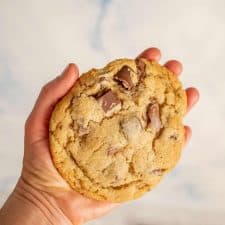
x=40 y=186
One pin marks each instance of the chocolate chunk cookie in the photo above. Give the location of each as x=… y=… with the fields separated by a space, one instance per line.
x=119 y=130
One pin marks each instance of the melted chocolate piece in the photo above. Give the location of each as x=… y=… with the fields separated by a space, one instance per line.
x=108 y=100
x=140 y=68
x=113 y=151
x=158 y=172
x=154 y=117
x=124 y=76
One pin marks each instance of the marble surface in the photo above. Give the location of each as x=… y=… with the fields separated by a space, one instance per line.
x=38 y=38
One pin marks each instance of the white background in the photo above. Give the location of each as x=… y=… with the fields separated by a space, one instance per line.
x=39 y=37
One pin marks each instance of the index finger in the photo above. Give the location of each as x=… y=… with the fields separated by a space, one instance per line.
x=151 y=54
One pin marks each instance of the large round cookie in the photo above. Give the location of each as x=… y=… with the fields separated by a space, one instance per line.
x=119 y=130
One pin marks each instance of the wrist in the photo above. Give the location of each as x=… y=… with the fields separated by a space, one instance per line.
x=26 y=206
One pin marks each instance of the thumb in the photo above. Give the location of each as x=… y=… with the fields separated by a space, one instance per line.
x=36 y=127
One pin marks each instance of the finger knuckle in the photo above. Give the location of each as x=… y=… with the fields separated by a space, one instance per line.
x=27 y=123
x=45 y=88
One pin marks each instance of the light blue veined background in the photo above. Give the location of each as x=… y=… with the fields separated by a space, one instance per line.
x=38 y=38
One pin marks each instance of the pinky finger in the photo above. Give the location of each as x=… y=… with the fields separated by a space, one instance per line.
x=192 y=97
x=188 y=133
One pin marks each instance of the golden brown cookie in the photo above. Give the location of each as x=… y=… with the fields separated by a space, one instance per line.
x=119 y=130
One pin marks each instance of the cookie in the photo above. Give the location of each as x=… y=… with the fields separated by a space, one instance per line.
x=119 y=130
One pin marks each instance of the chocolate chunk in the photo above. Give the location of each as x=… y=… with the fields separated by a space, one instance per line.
x=124 y=75
x=158 y=172
x=112 y=151
x=79 y=128
x=82 y=131
x=154 y=117
x=102 y=79
x=173 y=136
x=108 y=101
x=131 y=127
x=140 y=68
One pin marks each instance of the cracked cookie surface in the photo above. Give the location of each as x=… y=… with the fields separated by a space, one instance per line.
x=119 y=130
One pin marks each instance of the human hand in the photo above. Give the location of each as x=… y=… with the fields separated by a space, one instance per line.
x=40 y=185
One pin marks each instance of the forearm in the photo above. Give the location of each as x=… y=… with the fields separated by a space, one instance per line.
x=27 y=207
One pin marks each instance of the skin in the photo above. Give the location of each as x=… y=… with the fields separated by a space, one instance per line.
x=41 y=196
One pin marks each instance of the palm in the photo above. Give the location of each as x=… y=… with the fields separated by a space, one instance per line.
x=48 y=180
x=39 y=171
